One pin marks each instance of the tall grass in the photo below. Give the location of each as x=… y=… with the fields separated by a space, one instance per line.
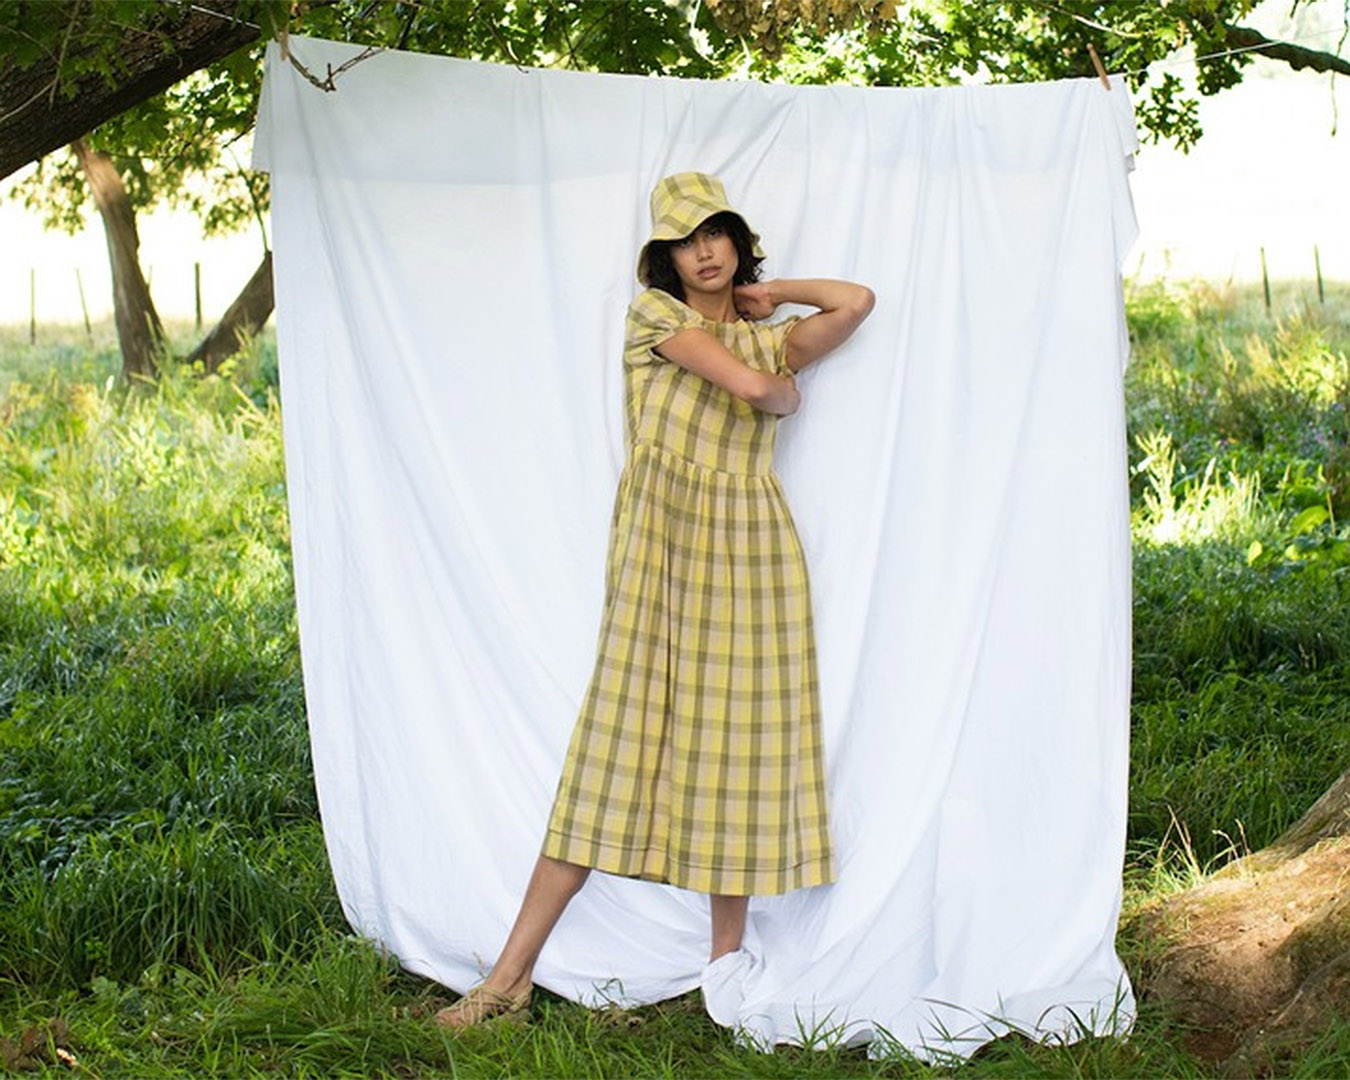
x=163 y=881
x=157 y=805
x=1242 y=563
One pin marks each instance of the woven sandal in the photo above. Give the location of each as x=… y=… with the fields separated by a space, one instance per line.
x=483 y=1005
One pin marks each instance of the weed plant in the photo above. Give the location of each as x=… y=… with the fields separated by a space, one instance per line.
x=164 y=888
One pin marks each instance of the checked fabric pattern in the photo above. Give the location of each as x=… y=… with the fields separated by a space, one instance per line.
x=697 y=757
x=679 y=204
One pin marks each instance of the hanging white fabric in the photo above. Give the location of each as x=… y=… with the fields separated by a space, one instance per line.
x=455 y=244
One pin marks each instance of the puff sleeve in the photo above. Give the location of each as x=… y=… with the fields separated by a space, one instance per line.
x=654 y=317
x=780 y=334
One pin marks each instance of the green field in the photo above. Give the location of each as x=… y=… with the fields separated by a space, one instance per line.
x=165 y=901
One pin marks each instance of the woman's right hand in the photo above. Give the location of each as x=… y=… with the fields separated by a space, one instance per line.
x=780 y=395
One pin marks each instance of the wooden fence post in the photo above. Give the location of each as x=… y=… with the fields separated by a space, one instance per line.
x=79 y=284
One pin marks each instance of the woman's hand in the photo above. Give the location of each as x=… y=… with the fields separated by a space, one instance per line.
x=754 y=301
x=779 y=395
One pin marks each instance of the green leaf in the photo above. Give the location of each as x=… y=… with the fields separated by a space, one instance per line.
x=1308 y=520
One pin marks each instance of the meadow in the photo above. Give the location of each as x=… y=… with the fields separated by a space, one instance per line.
x=166 y=907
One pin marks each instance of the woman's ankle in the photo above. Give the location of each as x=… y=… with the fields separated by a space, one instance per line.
x=510 y=982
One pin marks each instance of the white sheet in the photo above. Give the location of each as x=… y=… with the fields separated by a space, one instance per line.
x=454 y=253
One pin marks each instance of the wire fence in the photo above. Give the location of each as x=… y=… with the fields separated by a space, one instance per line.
x=1150 y=264
x=61 y=298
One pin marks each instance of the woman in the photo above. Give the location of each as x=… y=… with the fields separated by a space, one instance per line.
x=697 y=756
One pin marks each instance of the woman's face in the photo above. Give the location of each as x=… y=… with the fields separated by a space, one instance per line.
x=705 y=260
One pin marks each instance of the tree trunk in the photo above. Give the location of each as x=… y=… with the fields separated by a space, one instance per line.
x=244 y=318
x=34 y=120
x=138 y=327
x=1255 y=960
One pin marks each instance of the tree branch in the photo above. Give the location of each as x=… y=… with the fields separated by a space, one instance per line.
x=1296 y=56
x=30 y=130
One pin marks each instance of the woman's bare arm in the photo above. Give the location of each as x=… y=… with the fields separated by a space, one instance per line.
x=843 y=306
x=698 y=351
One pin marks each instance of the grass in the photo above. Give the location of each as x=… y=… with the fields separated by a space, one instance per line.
x=1242 y=668
x=166 y=907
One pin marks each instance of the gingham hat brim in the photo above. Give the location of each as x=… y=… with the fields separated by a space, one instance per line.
x=679 y=205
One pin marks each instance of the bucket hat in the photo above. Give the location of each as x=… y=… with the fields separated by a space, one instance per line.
x=680 y=204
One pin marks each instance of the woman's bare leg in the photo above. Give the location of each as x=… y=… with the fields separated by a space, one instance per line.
x=551 y=887
x=728 y=923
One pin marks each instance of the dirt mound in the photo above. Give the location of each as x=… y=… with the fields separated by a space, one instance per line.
x=1256 y=961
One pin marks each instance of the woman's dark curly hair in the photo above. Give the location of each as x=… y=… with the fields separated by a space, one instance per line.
x=661 y=268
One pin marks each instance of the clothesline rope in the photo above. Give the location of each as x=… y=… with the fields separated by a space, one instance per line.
x=221 y=15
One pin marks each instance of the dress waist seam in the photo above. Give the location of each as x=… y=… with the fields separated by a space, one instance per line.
x=697 y=466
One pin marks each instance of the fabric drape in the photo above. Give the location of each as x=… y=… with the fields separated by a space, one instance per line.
x=455 y=244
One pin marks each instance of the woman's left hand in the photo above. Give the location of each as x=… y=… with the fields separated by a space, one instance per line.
x=754 y=301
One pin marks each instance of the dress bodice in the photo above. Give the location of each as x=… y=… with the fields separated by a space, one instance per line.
x=682 y=413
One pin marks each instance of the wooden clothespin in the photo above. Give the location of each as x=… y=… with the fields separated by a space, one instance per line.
x=1097 y=63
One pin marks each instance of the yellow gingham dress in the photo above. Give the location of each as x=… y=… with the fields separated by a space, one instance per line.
x=697 y=756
